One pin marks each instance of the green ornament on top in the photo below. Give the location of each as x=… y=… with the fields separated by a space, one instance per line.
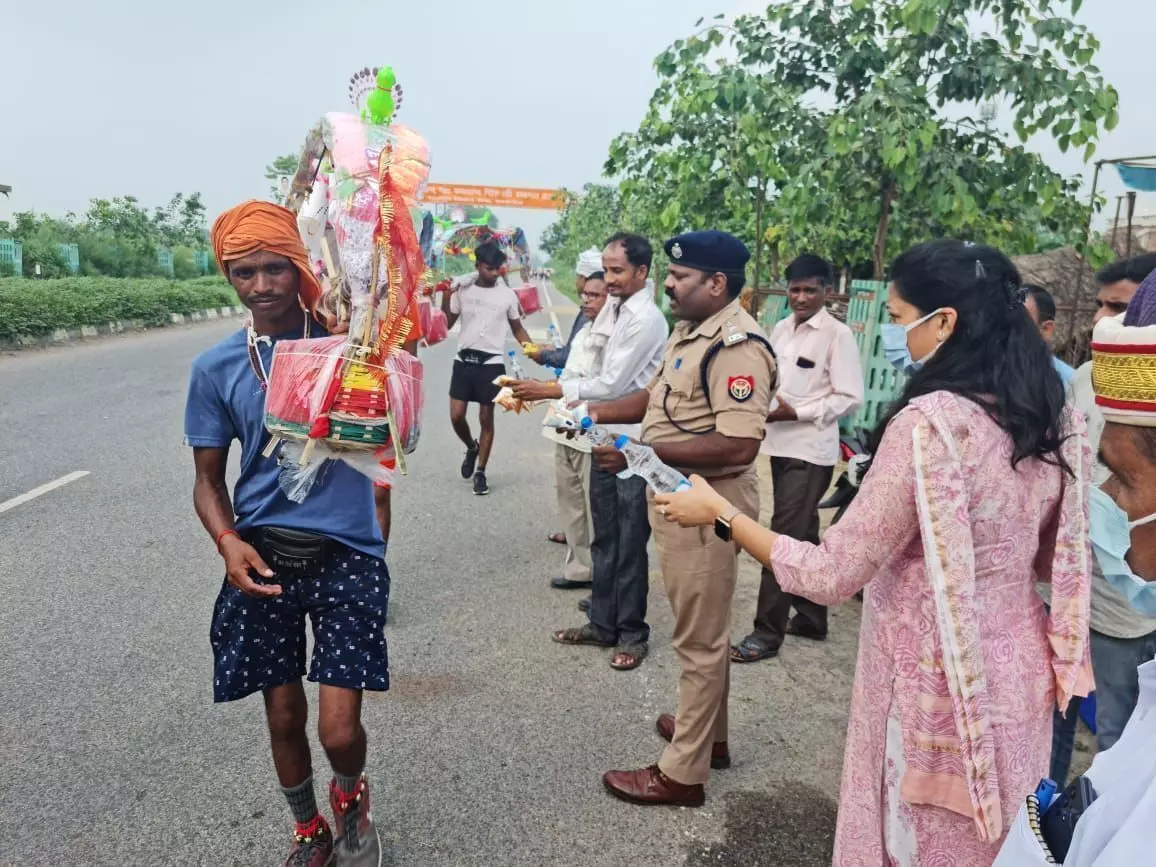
x=379 y=105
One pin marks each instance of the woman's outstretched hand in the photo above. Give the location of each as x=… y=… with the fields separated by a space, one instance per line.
x=697 y=507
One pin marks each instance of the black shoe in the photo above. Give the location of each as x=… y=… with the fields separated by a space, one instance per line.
x=584 y=604
x=480 y=486
x=470 y=462
x=563 y=583
x=805 y=630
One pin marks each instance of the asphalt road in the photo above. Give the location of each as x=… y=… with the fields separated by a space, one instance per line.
x=488 y=749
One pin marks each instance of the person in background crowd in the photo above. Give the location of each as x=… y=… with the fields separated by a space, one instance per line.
x=572 y=454
x=1041 y=306
x=589 y=263
x=822 y=382
x=1118 y=282
x=328 y=549
x=704 y=410
x=1116 y=831
x=1122 y=637
x=488 y=312
x=959 y=663
x=629 y=336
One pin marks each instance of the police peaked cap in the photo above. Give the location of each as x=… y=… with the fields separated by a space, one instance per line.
x=710 y=251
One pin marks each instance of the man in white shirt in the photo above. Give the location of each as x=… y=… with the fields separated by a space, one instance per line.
x=629 y=336
x=488 y=312
x=1122 y=638
x=821 y=381
x=572 y=454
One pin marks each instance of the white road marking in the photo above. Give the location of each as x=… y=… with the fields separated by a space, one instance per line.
x=42 y=490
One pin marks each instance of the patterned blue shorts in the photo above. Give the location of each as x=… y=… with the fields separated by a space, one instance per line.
x=260 y=643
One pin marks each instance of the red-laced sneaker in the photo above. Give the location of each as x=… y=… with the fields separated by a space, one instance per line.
x=358 y=844
x=313 y=844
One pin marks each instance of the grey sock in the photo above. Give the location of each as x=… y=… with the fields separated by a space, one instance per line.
x=302 y=801
x=349 y=823
x=348 y=785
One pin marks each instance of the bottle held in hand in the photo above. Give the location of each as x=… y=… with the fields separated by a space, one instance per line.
x=599 y=435
x=554 y=337
x=516 y=366
x=643 y=462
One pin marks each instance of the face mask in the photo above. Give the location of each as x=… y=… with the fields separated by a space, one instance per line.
x=1111 y=533
x=894 y=341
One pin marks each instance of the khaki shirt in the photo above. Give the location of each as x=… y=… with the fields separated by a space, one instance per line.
x=742 y=377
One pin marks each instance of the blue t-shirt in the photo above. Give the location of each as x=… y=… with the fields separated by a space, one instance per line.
x=1065 y=370
x=226 y=403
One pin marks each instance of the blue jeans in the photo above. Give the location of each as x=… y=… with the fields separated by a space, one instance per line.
x=1114 y=664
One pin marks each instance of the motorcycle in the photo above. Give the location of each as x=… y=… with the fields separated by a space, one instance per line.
x=853 y=450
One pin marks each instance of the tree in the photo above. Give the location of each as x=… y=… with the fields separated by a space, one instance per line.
x=283 y=165
x=853 y=124
x=181 y=221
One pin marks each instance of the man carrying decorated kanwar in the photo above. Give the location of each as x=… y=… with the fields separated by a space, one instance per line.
x=328 y=549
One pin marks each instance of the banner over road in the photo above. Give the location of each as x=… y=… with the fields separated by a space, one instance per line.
x=501 y=197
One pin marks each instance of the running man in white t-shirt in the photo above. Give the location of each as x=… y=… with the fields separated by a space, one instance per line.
x=488 y=311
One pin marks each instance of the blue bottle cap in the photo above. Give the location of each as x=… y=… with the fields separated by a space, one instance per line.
x=511 y=353
x=557 y=371
x=620 y=441
x=586 y=422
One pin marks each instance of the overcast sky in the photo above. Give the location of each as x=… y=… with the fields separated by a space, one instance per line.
x=148 y=97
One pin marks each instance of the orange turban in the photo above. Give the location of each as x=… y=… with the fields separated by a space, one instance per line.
x=255 y=225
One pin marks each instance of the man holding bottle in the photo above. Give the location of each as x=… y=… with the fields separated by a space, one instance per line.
x=703 y=412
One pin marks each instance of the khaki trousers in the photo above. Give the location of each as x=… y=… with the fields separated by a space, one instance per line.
x=699 y=572
x=572 y=480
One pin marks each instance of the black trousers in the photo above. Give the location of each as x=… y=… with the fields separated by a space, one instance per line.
x=798 y=488
x=620 y=566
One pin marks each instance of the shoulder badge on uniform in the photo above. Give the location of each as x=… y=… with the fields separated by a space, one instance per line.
x=741 y=387
x=733 y=335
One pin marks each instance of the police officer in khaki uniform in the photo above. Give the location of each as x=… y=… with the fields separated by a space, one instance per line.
x=704 y=412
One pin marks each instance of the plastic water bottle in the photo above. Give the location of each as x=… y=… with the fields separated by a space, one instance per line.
x=554 y=337
x=644 y=463
x=516 y=366
x=599 y=435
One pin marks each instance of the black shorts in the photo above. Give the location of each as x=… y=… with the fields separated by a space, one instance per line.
x=259 y=643
x=474 y=383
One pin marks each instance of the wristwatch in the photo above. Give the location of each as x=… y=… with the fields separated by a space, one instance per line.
x=722 y=524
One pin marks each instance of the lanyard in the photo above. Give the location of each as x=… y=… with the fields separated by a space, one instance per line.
x=255 y=362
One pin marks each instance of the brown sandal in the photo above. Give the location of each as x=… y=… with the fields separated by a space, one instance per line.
x=633 y=652
x=580 y=635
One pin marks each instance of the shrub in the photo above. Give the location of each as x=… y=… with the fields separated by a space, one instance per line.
x=36 y=307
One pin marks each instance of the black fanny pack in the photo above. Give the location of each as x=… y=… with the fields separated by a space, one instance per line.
x=293 y=552
x=474 y=356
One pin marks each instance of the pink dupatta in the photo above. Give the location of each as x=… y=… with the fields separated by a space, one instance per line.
x=953 y=765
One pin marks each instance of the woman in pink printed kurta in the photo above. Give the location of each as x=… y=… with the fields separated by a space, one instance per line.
x=959 y=663
x=895 y=734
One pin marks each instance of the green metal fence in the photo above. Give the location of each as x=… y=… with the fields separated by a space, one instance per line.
x=71 y=254
x=866 y=311
x=12 y=252
x=165 y=260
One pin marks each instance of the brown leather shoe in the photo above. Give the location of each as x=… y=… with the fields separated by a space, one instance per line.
x=720 y=756
x=652 y=786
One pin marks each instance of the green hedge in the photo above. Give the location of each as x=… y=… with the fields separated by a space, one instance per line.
x=36 y=307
